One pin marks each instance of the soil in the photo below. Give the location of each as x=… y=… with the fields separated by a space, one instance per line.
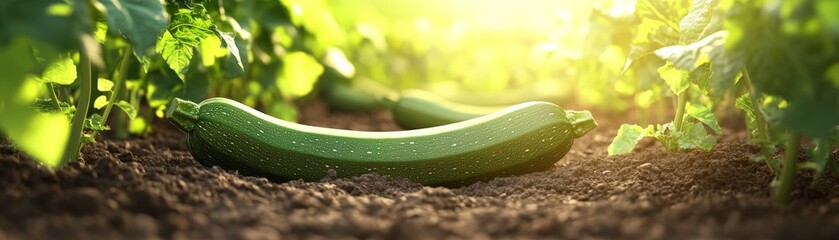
x=151 y=188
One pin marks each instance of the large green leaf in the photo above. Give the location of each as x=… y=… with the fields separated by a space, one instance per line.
x=628 y=136
x=41 y=135
x=184 y=34
x=702 y=20
x=813 y=118
x=53 y=22
x=139 y=21
x=691 y=56
x=176 y=53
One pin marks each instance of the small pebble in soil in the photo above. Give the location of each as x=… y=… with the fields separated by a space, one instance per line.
x=331 y=174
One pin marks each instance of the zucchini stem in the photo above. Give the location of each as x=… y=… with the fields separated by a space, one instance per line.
x=788 y=170
x=183 y=113
x=581 y=121
x=71 y=151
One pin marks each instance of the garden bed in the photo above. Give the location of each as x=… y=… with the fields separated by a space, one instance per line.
x=152 y=188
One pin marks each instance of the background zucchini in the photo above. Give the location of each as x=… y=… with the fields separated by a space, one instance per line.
x=352 y=95
x=523 y=138
x=420 y=109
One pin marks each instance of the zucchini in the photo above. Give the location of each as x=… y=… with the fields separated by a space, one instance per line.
x=420 y=109
x=520 y=139
x=357 y=95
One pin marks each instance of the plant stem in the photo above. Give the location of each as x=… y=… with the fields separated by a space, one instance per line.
x=761 y=123
x=119 y=81
x=680 y=110
x=54 y=96
x=789 y=168
x=71 y=151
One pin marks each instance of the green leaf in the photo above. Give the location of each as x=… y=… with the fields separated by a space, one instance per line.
x=664 y=134
x=229 y=42
x=745 y=103
x=139 y=21
x=139 y=126
x=176 y=53
x=43 y=136
x=87 y=138
x=95 y=123
x=44 y=21
x=61 y=71
x=185 y=33
x=127 y=108
x=101 y=32
x=14 y=72
x=812 y=117
x=702 y=20
x=694 y=137
x=628 y=136
x=703 y=114
x=693 y=55
x=100 y=102
x=104 y=85
x=47 y=105
x=675 y=79
x=299 y=73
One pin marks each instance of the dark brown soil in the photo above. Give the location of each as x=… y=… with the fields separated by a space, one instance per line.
x=149 y=188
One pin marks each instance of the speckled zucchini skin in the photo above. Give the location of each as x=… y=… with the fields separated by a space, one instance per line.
x=524 y=138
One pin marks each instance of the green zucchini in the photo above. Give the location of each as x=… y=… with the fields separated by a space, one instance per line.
x=420 y=109
x=523 y=138
x=356 y=95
